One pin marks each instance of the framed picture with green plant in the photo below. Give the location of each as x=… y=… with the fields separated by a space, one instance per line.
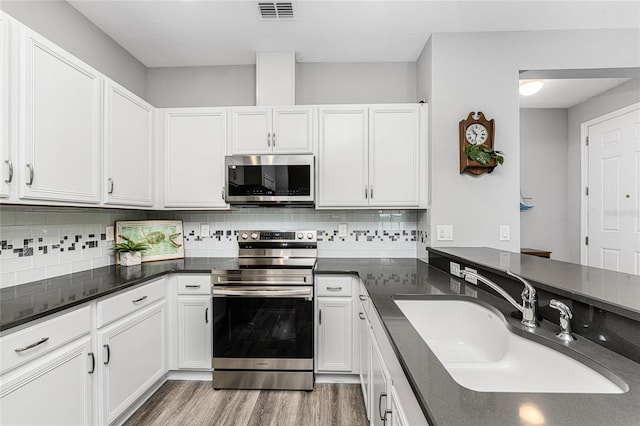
x=163 y=238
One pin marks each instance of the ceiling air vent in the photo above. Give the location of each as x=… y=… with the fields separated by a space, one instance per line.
x=276 y=11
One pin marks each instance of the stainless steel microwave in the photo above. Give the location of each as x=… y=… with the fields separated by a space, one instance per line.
x=270 y=179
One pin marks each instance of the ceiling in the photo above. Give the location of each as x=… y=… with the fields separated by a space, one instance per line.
x=166 y=33
x=565 y=93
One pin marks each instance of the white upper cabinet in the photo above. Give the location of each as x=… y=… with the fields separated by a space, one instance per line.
x=194 y=148
x=342 y=157
x=60 y=115
x=394 y=134
x=370 y=156
x=6 y=161
x=128 y=148
x=284 y=130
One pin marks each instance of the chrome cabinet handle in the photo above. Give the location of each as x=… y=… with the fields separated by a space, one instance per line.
x=10 y=164
x=273 y=139
x=33 y=345
x=334 y=288
x=319 y=316
x=269 y=139
x=139 y=300
x=223 y=194
x=361 y=315
x=108 y=354
x=382 y=395
x=93 y=362
x=192 y=286
x=371 y=192
x=110 y=180
x=366 y=192
x=362 y=297
x=30 y=167
x=206 y=315
x=384 y=421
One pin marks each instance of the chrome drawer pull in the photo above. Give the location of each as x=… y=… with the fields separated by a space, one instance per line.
x=33 y=345
x=361 y=315
x=334 y=288
x=362 y=297
x=139 y=300
x=192 y=286
x=10 y=164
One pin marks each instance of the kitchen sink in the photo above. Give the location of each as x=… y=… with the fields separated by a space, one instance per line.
x=473 y=342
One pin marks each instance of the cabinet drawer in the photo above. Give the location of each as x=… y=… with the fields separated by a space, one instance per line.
x=22 y=346
x=123 y=304
x=196 y=284
x=339 y=286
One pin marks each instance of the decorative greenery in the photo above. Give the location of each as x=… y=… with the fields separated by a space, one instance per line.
x=483 y=154
x=129 y=245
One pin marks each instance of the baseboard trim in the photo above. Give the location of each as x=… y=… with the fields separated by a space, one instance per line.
x=337 y=378
x=203 y=376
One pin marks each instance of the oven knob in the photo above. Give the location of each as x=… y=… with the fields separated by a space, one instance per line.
x=309 y=235
x=300 y=235
x=254 y=235
x=244 y=236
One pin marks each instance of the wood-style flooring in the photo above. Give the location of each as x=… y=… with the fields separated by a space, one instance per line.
x=197 y=403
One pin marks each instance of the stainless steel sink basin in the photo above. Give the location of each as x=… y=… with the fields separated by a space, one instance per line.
x=476 y=347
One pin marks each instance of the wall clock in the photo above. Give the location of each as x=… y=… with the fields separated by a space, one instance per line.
x=478 y=132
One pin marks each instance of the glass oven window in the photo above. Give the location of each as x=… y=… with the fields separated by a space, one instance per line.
x=248 y=327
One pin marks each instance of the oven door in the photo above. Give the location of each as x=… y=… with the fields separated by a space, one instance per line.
x=263 y=328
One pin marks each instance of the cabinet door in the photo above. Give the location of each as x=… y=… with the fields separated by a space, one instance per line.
x=132 y=359
x=55 y=389
x=380 y=387
x=60 y=114
x=195 y=140
x=251 y=131
x=398 y=417
x=128 y=151
x=365 y=358
x=292 y=130
x=393 y=156
x=6 y=161
x=194 y=332
x=335 y=334
x=342 y=157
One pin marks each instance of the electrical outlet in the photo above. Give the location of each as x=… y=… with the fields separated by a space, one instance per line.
x=505 y=233
x=342 y=230
x=469 y=278
x=110 y=233
x=204 y=230
x=454 y=268
x=445 y=233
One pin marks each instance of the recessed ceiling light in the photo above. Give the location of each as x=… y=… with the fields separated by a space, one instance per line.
x=530 y=87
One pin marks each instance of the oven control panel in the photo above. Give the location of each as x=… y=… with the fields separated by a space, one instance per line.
x=278 y=236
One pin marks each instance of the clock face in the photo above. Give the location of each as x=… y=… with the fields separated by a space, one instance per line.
x=477 y=134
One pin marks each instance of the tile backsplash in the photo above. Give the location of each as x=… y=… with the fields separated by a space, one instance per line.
x=42 y=242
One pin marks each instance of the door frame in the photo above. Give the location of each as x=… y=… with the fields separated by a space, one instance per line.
x=584 y=174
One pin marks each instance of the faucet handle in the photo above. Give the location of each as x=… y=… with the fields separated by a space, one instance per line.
x=529 y=291
x=564 y=309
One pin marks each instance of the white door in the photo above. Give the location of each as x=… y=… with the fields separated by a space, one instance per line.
x=614 y=193
x=194 y=332
x=128 y=139
x=132 y=359
x=6 y=161
x=292 y=130
x=194 y=147
x=60 y=114
x=335 y=334
x=251 y=131
x=55 y=389
x=393 y=156
x=342 y=157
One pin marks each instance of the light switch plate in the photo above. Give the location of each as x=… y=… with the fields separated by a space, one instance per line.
x=204 y=230
x=445 y=233
x=110 y=233
x=342 y=230
x=505 y=233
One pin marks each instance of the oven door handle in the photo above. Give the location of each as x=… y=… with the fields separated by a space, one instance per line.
x=306 y=293
x=273 y=279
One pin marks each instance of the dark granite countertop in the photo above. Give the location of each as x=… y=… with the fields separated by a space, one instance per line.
x=442 y=399
x=28 y=302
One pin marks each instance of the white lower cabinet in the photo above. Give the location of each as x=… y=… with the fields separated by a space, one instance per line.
x=380 y=387
x=398 y=416
x=194 y=332
x=53 y=389
x=336 y=301
x=365 y=351
x=132 y=359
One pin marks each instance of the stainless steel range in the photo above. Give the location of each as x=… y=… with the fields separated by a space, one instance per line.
x=263 y=313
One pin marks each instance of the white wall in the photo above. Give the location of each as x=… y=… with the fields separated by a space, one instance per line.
x=65 y=26
x=477 y=206
x=543 y=176
x=612 y=100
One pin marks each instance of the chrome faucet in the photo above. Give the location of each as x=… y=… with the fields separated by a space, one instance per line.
x=528 y=308
x=565 y=320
